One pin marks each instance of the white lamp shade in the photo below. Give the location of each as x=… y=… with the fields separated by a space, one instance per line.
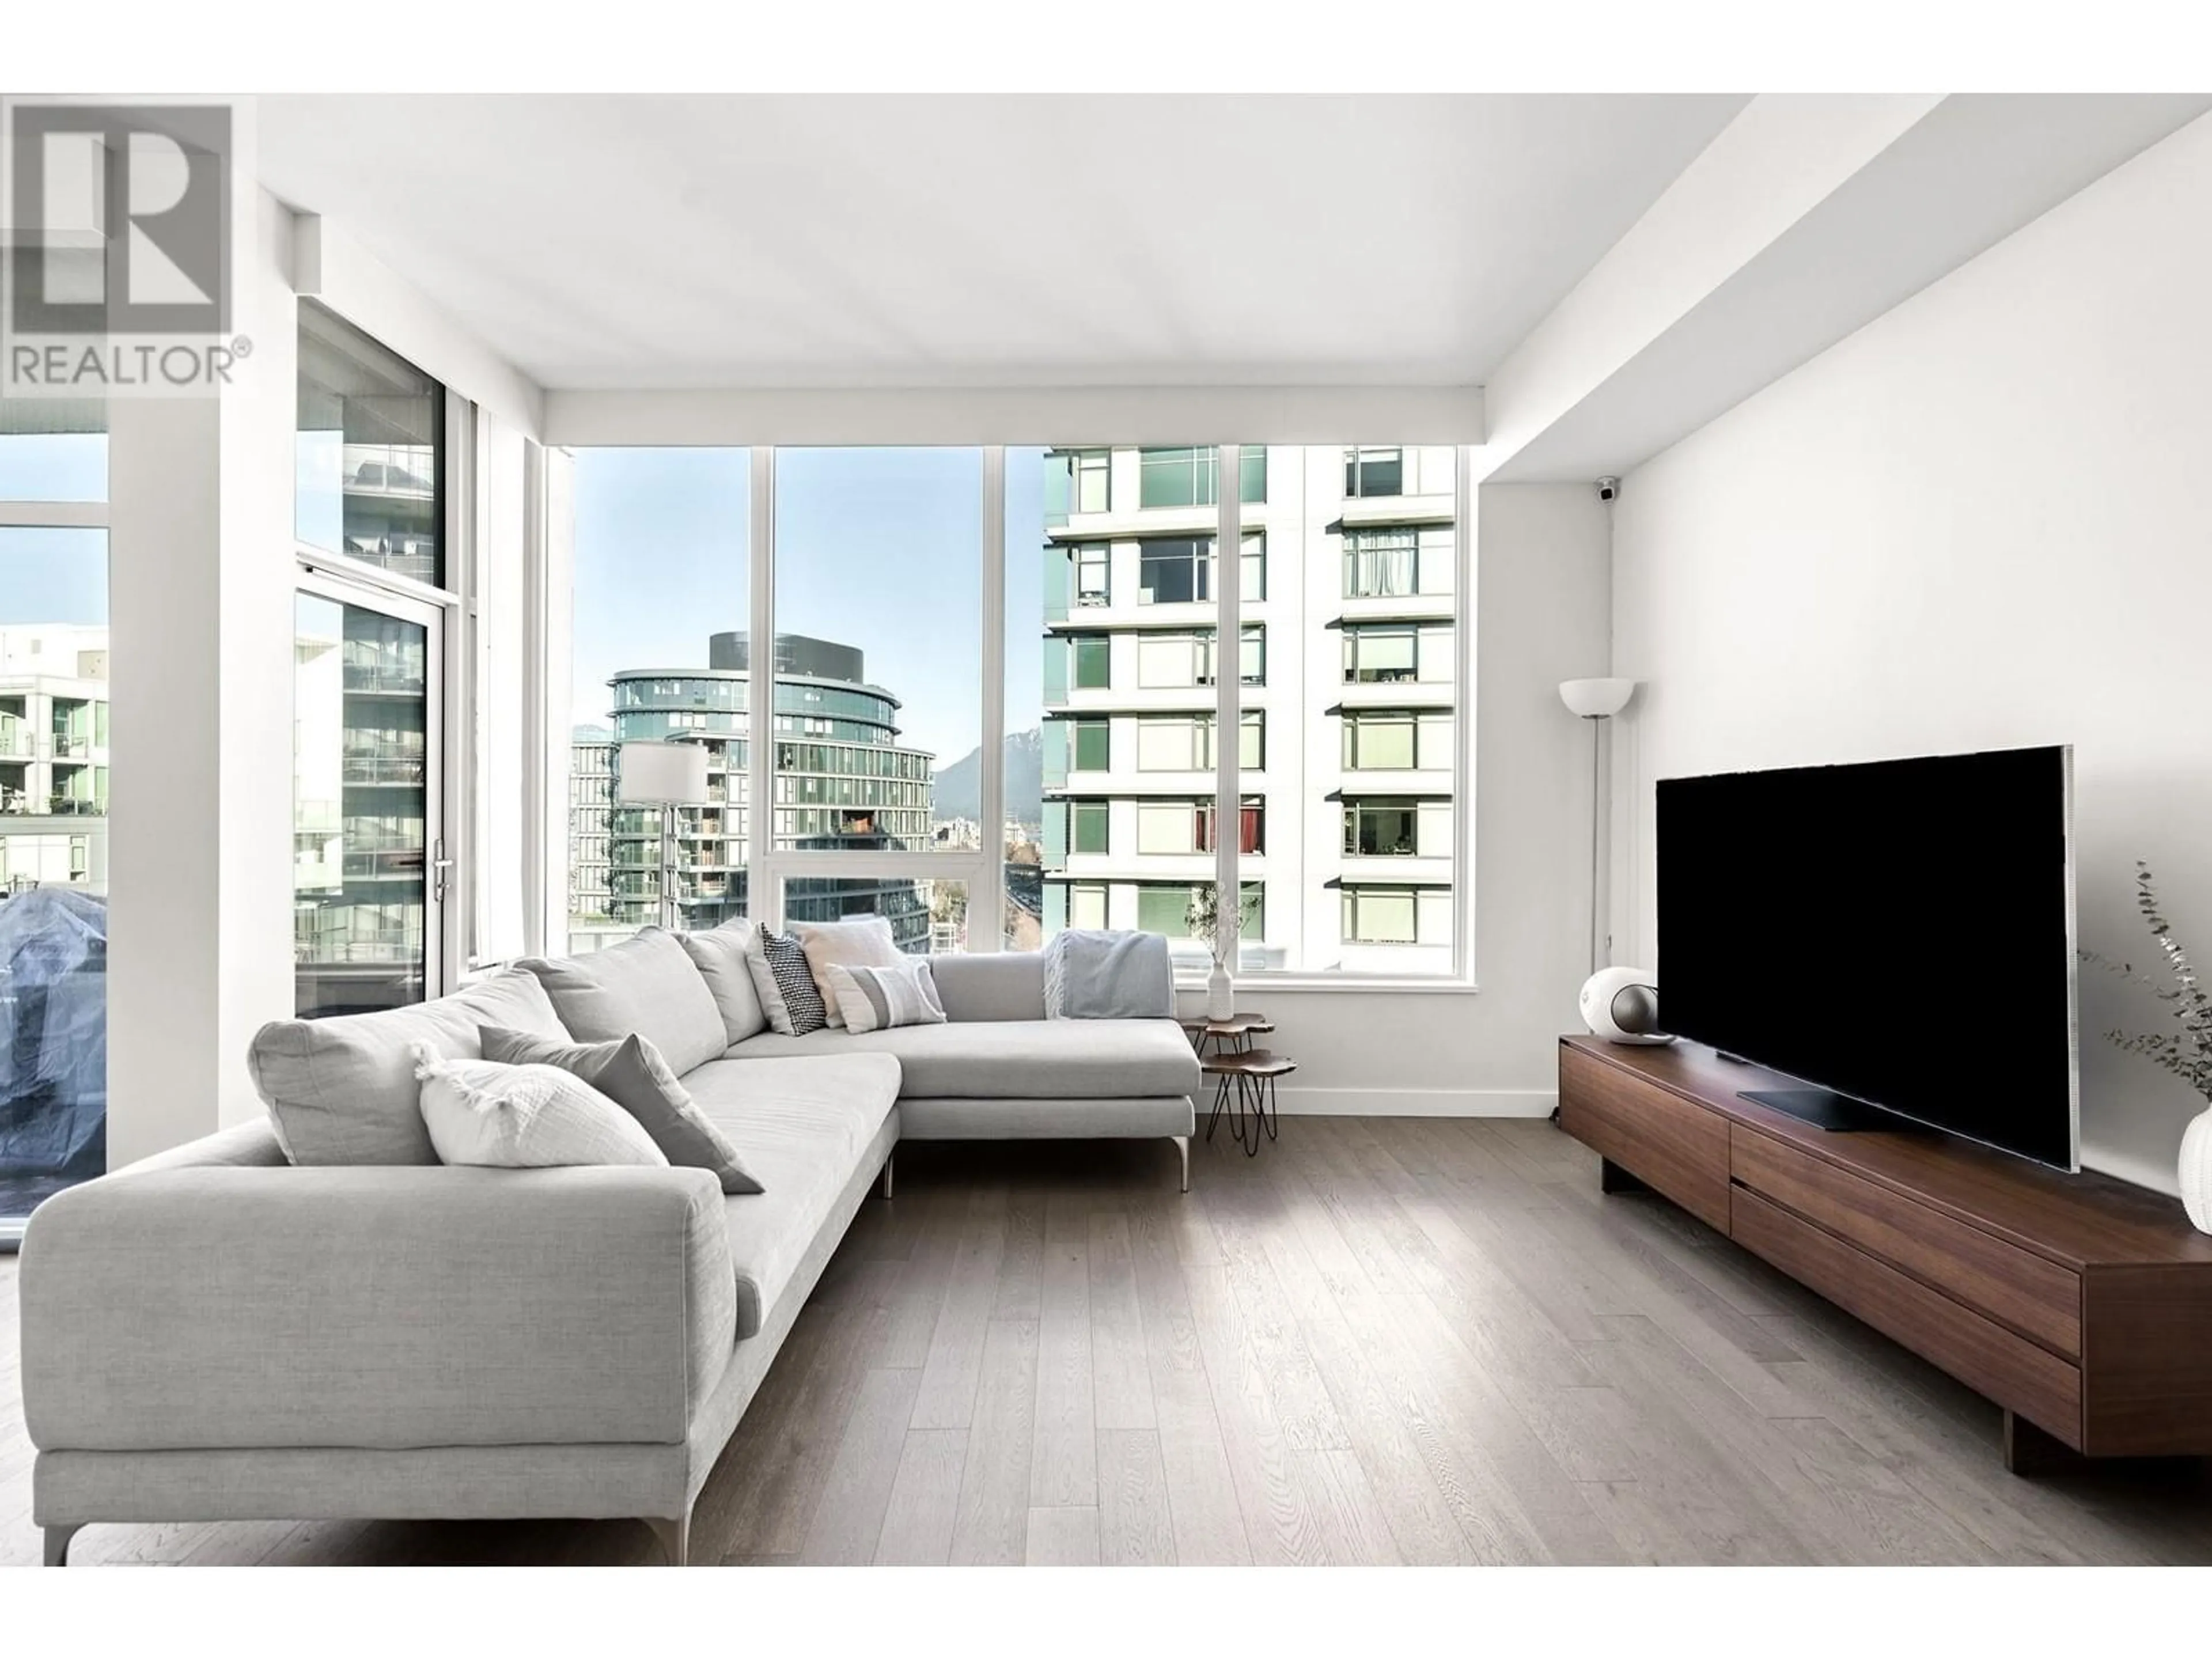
x=660 y=774
x=1596 y=700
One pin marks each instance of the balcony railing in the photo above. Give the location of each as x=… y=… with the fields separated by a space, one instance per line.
x=383 y=768
x=21 y=803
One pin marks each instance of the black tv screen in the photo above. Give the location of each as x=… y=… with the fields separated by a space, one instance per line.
x=1900 y=932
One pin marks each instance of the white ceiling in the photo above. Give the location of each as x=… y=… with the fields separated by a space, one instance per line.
x=959 y=242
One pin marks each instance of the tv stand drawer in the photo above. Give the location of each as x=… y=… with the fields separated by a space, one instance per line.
x=2037 y=1297
x=1674 y=1147
x=1981 y=1354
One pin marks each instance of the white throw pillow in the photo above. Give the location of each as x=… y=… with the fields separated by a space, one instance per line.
x=877 y=998
x=862 y=942
x=523 y=1117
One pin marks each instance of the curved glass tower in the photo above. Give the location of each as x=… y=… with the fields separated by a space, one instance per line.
x=841 y=781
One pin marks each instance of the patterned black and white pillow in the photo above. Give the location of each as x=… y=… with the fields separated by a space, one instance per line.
x=788 y=994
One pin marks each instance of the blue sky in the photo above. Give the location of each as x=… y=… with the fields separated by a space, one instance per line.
x=53 y=576
x=876 y=548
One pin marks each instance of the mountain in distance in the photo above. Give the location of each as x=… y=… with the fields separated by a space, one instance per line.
x=960 y=786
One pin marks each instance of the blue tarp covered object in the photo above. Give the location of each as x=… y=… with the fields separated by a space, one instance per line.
x=53 y=1034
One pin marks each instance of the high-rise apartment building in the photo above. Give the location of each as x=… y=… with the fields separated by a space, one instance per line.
x=1347 y=691
x=54 y=756
x=842 y=781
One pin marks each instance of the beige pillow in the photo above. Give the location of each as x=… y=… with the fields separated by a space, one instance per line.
x=863 y=942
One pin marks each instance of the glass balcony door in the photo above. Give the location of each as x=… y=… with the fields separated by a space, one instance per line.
x=369 y=868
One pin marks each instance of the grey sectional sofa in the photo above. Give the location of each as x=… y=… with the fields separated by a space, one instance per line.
x=311 y=1318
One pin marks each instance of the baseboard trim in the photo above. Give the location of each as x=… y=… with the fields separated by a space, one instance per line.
x=1303 y=1102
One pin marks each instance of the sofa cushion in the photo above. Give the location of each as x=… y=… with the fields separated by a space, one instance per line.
x=343 y=1091
x=990 y=985
x=718 y=954
x=1054 y=1059
x=877 y=998
x=646 y=985
x=860 y=942
x=490 y=1116
x=630 y=1072
x=804 y=1124
x=788 y=994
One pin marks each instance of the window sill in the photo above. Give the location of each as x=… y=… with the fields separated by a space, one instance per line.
x=1267 y=982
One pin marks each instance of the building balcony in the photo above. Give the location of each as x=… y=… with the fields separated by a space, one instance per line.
x=1397 y=607
x=402 y=771
x=390 y=472
x=1394 y=869
x=1407 y=693
x=21 y=802
x=393 y=680
x=1363 y=511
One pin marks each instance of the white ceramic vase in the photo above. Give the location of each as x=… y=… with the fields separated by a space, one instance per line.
x=1221 y=996
x=2196 y=1170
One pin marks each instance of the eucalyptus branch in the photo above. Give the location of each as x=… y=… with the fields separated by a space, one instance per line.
x=2189 y=1056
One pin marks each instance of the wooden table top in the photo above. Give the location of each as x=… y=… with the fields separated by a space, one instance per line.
x=1248 y=1062
x=1235 y=1025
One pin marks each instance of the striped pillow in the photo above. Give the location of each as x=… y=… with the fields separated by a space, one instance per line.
x=787 y=993
x=876 y=999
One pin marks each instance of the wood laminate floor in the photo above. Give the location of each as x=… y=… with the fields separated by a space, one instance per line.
x=1382 y=1341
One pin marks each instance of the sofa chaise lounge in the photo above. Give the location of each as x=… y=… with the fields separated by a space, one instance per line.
x=227 y=1332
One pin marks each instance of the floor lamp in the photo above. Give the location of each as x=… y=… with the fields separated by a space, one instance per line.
x=667 y=775
x=1596 y=700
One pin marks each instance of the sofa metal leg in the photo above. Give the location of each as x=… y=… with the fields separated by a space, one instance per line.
x=57 y=1543
x=675 y=1536
x=1182 y=1146
x=887 y=1176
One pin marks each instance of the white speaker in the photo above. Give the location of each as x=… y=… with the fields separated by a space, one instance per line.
x=1621 y=1004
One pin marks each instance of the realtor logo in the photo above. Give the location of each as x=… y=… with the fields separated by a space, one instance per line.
x=122 y=219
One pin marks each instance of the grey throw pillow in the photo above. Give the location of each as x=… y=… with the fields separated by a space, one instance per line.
x=630 y=1072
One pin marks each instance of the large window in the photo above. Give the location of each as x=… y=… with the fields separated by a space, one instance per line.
x=1362 y=615
x=364 y=800
x=371 y=451
x=1083 y=790
x=661 y=653
x=54 y=732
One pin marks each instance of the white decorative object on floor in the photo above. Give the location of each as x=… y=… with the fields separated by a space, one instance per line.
x=1220 y=991
x=1621 y=1004
x=2196 y=1170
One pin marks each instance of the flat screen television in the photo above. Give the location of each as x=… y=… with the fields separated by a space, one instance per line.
x=1897 y=935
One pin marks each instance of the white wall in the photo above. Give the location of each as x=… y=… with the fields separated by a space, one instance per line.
x=200 y=516
x=1980 y=521
x=203 y=576
x=1541 y=598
